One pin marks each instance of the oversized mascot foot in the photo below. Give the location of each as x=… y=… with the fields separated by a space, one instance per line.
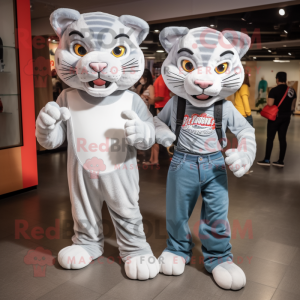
x=74 y=257
x=229 y=276
x=142 y=267
x=171 y=264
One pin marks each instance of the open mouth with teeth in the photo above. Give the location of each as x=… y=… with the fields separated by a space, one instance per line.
x=99 y=84
x=202 y=97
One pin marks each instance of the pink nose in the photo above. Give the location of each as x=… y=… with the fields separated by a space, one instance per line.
x=98 y=67
x=203 y=84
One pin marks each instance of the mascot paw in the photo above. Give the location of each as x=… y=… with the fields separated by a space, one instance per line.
x=142 y=267
x=171 y=264
x=229 y=276
x=74 y=257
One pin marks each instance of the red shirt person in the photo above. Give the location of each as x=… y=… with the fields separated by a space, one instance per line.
x=161 y=91
x=162 y=96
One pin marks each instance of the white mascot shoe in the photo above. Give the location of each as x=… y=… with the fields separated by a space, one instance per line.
x=74 y=257
x=229 y=276
x=171 y=264
x=142 y=267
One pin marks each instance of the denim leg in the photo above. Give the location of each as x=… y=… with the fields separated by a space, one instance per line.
x=214 y=231
x=183 y=189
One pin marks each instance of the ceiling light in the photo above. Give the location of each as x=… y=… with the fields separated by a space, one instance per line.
x=213 y=21
x=265 y=47
x=285 y=31
x=156 y=30
x=282 y=12
x=143 y=48
x=281 y=61
x=150 y=57
x=160 y=51
x=246 y=17
x=290 y=53
x=269 y=51
x=254 y=57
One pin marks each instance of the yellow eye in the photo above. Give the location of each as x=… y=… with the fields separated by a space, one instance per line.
x=187 y=66
x=79 y=50
x=222 y=68
x=118 y=51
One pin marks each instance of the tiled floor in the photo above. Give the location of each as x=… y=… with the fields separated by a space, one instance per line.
x=267 y=201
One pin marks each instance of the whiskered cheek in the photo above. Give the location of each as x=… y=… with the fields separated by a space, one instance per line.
x=215 y=89
x=173 y=77
x=65 y=63
x=66 y=68
x=128 y=79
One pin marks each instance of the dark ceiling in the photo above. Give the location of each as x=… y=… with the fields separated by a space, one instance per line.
x=273 y=36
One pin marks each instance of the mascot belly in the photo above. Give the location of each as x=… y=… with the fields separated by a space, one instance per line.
x=98 y=132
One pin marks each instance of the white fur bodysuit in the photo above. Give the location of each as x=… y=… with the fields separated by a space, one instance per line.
x=99 y=57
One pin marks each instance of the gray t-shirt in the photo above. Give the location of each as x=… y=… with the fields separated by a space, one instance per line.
x=198 y=134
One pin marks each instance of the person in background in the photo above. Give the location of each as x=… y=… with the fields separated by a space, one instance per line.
x=282 y=121
x=162 y=96
x=146 y=89
x=241 y=100
x=56 y=85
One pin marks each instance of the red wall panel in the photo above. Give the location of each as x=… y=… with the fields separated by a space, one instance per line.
x=28 y=150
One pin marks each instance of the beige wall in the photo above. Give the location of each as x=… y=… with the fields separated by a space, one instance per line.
x=268 y=70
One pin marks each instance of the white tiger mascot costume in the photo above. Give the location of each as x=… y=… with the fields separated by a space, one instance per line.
x=99 y=58
x=202 y=68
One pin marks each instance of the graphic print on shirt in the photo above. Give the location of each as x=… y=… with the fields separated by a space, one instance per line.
x=291 y=92
x=203 y=124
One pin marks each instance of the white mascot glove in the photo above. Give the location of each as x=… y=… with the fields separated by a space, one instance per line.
x=238 y=161
x=163 y=134
x=137 y=132
x=50 y=116
x=241 y=159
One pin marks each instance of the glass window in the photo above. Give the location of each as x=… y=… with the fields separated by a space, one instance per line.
x=10 y=108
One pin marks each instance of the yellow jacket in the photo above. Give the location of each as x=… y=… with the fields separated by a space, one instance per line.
x=241 y=100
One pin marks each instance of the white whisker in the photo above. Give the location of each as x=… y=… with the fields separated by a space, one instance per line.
x=229 y=77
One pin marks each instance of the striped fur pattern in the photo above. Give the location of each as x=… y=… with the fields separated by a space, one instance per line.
x=205 y=49
x=98 y=33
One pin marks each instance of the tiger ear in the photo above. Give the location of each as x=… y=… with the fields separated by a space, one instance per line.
x=61 y=18
x=170 y=35
x=140 y=27
x=240 y=41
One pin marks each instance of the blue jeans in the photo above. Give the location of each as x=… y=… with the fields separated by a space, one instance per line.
x=188 y=177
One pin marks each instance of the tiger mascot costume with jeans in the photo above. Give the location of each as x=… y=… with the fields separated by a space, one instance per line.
x=202 y=68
